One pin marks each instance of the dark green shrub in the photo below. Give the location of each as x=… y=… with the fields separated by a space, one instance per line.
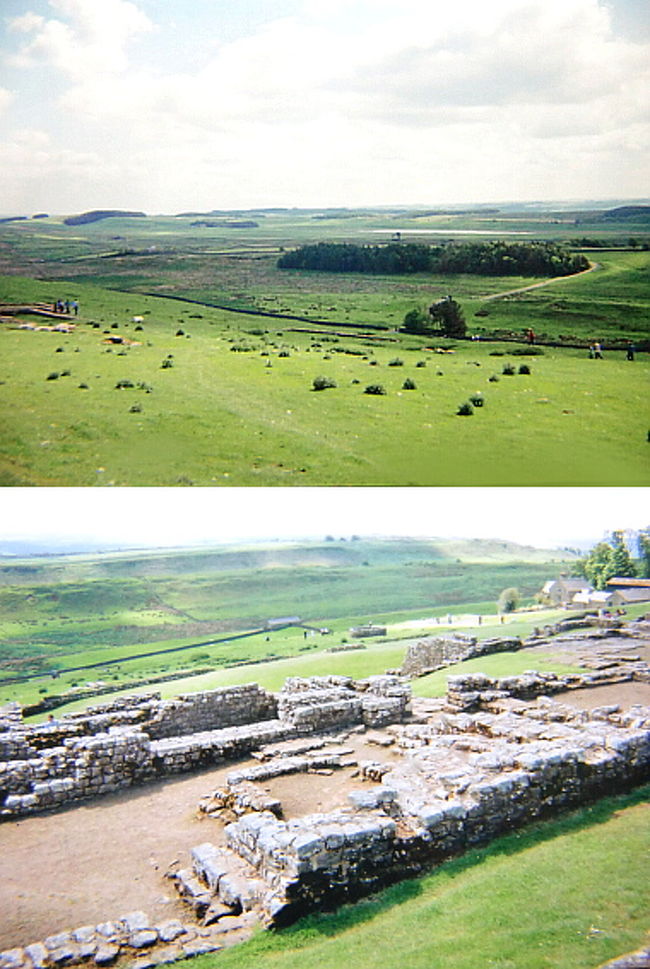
x=421 y=363
x=497 y=353
x=508 y=370
x=166 y=364
x=180 y=332
x=135 y=409
x=465 y=409
x=524 y=368
x=409 y=384
x=375 y=389
x=476 y=400
x=323 y=383
x=124 y=385
x=53 y=376
x=493 y=379
x=284 y=353
x=396 y=362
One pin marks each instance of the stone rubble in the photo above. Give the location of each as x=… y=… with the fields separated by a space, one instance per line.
x=131 y=937
x=463 y=779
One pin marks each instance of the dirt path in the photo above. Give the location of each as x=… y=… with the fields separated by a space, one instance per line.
x=545 y=282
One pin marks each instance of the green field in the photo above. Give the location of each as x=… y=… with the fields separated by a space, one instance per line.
x=222 y=399
x=61 y=612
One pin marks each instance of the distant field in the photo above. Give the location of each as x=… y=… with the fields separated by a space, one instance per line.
x=220 y=399
x=62 y=612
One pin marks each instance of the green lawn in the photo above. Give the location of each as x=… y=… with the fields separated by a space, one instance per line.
x=566 y=893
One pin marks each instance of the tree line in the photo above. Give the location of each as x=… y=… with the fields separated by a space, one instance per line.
x=611 y=559
x=477 y=258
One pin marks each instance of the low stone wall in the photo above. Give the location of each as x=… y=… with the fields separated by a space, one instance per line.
x=477 y=691
x=464 y=780
x=436 y=652
x=132 y=936
x=135 y=739
x=327 y=702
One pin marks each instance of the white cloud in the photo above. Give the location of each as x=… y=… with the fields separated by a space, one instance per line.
x=305 y=105
x=92 y=37
x=6 y=97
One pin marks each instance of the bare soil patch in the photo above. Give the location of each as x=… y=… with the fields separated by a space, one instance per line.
x=622 y=694
x=104 y=858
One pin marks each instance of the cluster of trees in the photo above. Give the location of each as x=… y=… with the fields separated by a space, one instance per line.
x=609 y=559
x=509 y=600
x=483 y=258
x=344 y=257
x=98 y=214
x=444 y=318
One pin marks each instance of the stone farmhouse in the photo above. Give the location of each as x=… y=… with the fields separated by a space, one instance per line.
x=579 y=592
x=628 y=591
x=560 y=592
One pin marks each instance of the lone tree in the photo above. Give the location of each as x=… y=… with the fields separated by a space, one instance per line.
x=448 y=318
x=508 y=600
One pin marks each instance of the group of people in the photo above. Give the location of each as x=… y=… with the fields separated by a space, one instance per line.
x=596 y=351
x=66 y=306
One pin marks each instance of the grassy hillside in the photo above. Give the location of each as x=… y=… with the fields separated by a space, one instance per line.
x=59 y=613
x=211 y=399
x=218 y=398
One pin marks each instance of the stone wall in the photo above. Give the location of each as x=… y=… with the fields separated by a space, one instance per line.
x=436 y=652
x=135 y=739
x=476 y=691
x=134 y=937
x=463 y=780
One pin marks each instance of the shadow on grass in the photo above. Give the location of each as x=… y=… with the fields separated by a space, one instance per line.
x=323 y=925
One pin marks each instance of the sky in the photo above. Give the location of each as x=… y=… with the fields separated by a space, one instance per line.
x=163 y=517
x=174 y=105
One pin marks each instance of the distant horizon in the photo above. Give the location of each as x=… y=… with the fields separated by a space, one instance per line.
x=174 y=517
x=564 y=204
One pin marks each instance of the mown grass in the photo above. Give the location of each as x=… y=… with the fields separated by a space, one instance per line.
x=566 y=893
